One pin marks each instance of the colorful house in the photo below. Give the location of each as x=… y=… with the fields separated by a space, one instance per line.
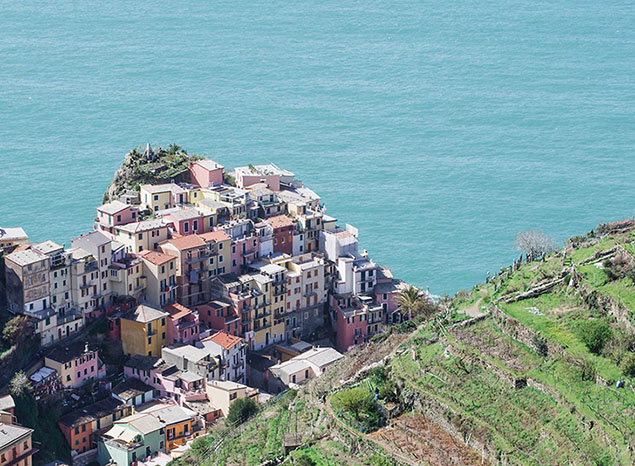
x=283 y=228
x=232 y=351
x=144 y=331
x=133 y=392
x=82 y=427
x=16 y=446
x=144 y=235
x=222 y=393
x=183 y=324
x=114 y=213
x=133 y=438
x=166 y=379
x=160 y=272
x=187 y=220
x=192 y=259
x=177 y=422
x=357 y=319
x=76 y=364
x=206 y=173
x=219 y=315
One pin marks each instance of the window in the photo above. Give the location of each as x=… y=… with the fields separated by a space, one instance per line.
x=149 y=340
x=186 y=227
x=156 y=197
x=195 y=225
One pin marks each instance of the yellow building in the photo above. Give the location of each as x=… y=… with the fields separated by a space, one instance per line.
x=138 y=236
x=144 y=331
x=269 y=309
x=127 y=277
x=160 y=272
x=157 y=197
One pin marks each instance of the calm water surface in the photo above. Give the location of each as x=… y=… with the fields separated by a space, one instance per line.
x=440 y=129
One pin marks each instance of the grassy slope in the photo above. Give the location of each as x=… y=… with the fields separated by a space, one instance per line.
x=573 y=420
x=467 y=374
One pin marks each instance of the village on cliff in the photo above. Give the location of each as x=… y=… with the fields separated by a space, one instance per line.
x=234 y=285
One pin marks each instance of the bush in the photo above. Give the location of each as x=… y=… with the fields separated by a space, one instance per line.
x=540 y=343
x=241 y=410
x=16 y=330
x=359 y=405
x=404 y=327
x=594 y=334
x=303 y=459
x=628 y=365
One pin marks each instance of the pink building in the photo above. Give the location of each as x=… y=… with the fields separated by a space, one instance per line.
x=218 y=316
x=357 y=320
x=183 y=324
x=186 y=221
x=166 y=379
x=114 y=213
x=244 y=251
x=205 y=173
x=75 y=364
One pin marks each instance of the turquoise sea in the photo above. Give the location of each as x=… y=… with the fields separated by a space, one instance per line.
x=440 y=129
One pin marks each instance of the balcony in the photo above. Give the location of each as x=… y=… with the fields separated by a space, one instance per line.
x=260 y=315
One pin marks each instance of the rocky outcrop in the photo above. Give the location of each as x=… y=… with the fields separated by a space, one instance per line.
x=151 y=166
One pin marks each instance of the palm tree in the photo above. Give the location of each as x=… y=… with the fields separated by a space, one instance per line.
x=409 y=300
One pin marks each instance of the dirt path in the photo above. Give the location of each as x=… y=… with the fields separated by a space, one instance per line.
x=475 y=309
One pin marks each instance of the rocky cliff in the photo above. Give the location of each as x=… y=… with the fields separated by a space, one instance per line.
x=155 y=166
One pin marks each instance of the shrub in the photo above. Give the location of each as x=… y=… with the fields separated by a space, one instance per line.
x=16 y=330
x=303 y=459
x=628 y=365
x=241 y=410
x=540 y=343
x=360 y=406
x=594 y=334
x=404 y=327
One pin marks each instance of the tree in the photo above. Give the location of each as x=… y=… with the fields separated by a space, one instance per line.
x=241 y=410
x=409 y=301
x=594 y=334
x=534 y=244
x=19 y=384
x=16 y=330
x=356 y=401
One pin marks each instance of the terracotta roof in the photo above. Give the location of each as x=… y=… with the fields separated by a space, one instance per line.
x=224 y=339
x=187 y=242
x=218 y=235
x=177 y=310
x=279 y=221
x=155 y=257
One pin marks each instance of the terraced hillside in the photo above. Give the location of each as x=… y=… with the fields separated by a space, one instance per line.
x=535 y=367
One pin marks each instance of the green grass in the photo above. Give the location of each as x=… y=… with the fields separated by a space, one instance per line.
x=559 y=330
x=584 y=253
